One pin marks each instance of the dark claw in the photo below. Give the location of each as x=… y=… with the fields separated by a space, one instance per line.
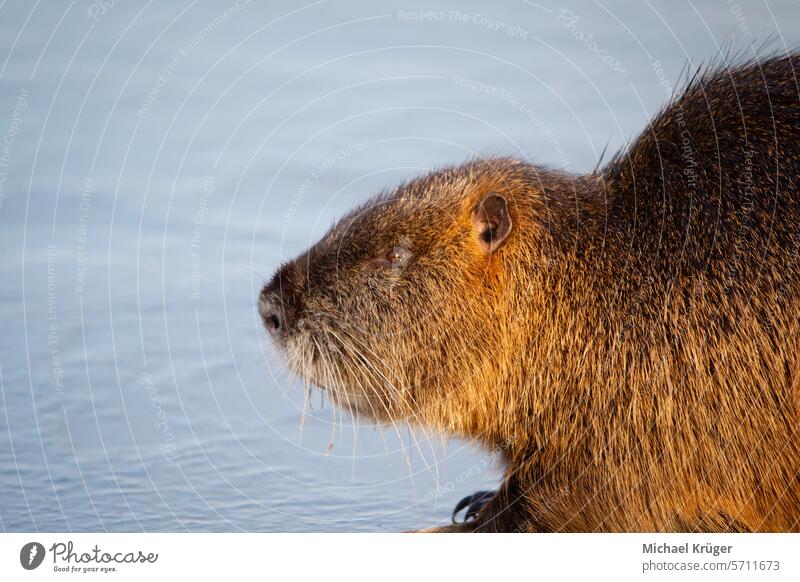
x=474 y=503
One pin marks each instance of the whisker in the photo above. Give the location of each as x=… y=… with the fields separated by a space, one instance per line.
x=373 y=369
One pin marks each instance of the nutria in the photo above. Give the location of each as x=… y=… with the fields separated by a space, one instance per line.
x=628 y=339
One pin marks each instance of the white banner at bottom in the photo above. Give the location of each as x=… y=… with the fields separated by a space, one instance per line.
x=354 y=557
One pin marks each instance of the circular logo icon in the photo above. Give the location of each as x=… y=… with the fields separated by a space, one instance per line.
x=31 y=555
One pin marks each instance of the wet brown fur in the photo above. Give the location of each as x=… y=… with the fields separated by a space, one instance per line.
x=631 y=348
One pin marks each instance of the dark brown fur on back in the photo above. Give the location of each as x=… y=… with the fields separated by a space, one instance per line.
x=632 y=347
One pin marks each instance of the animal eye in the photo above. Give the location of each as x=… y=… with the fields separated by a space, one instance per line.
x=395 y=257
x=396 y=254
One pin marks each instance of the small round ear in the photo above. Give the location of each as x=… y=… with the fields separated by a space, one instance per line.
x=492 y=221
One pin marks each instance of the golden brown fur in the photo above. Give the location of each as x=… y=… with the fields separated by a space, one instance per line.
x=631 y=347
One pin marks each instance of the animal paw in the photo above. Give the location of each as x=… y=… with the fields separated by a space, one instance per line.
x=474 y=503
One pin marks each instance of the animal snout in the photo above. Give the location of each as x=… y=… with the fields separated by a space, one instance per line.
x=276 y=307
x=272 y=312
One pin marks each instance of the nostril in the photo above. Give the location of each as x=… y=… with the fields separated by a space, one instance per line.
x=276 y=306
x=273 y=323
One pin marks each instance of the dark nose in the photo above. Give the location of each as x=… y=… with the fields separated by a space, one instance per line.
x=275 y=307
x=271 y=310
x=270 y=314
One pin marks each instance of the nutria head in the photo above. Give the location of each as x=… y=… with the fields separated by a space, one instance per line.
x=607 y=332
x=409 y=300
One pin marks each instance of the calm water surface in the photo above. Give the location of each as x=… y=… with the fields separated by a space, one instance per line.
x=159 y=161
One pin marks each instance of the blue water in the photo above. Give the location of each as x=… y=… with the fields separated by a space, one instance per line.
x=160 y=159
